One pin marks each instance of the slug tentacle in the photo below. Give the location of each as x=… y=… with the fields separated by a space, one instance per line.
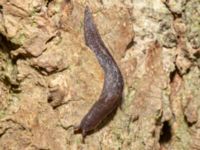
x=111 y=94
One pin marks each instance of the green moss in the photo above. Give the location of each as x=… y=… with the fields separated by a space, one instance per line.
x=22 y=38
x=2 y=114
x=19 y=40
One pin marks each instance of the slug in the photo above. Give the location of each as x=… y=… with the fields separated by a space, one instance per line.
x=111 y=95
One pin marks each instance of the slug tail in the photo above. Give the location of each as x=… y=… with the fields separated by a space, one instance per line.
x=78 y=129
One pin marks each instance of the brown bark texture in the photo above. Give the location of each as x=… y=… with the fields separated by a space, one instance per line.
x=49 y=78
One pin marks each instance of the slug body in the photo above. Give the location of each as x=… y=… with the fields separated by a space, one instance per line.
x=111 y=95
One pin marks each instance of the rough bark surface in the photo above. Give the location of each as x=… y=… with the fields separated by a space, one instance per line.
x=49 y=78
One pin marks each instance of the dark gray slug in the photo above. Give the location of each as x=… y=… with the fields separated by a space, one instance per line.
x=111 y=95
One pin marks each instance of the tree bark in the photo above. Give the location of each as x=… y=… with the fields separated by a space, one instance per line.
x=49 y=78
